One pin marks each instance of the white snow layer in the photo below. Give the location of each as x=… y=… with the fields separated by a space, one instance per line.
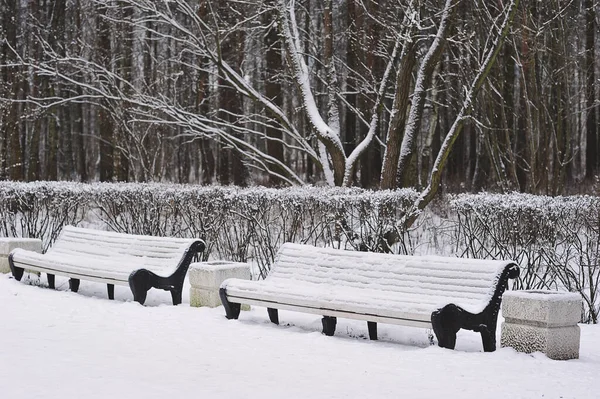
x=56 y=345
x=105 y=254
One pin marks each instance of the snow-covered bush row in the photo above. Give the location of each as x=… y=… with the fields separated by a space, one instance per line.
x=237 y=224
x=556 y=240
x=40 y=209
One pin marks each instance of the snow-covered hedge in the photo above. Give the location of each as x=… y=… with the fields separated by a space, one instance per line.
x=556 y=240
x=40 y=209
x=237 y=224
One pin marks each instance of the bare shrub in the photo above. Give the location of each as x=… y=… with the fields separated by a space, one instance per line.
x=237 y=224
x=554 y=239
x=40 y=210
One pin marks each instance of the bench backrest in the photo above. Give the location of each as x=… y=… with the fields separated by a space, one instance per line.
x=151 y=251
x=470 y=282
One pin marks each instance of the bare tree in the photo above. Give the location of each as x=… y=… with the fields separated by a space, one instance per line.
x=285 y=92
x=499 y=33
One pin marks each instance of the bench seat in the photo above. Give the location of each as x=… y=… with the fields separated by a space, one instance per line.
x=394 y=289
x=94 y=269
x=141 y=262
x=335 y=301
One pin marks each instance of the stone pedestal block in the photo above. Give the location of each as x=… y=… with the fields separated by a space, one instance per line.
x=542 y=321
x=8 y=244
x=206 y=278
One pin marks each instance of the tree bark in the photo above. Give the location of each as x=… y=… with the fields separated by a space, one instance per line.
x=105 y=122
x=419 y=94
x=591 y=108
x=490 y=57
x=273 y=90
x=398 y=117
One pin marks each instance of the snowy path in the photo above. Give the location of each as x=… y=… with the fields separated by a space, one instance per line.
x=66 y=345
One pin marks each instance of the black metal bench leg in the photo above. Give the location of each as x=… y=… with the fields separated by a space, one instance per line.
x=232 y=310
x=176 y=296
x=446 y=322
x=447 y=340
x=17 y=272
x=140 y=281
x=74 y=284
x=372 y=330
x=139 y=294
x=111 y=291
x=489 y=340
x=329 y=324
x=273 y=315
x=51 y=281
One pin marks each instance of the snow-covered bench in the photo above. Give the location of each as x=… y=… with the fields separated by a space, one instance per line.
x=142 y=262
x=442 y=293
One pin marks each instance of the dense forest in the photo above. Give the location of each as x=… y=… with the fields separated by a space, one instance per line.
x=484 y=94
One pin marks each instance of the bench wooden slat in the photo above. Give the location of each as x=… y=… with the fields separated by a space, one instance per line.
x=294 y=260
x=396 y=279
x=98 y=244
x=412 y=322
x=120 y=247
x=425 y=289
x=125 y=244
x=120 y=244
x=96 y=250
x=107 y=265
x=393 y=274
x=404 y=304
x=102 y=275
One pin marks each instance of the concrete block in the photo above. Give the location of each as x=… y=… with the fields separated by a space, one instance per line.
x=542 y=321
x=7 y=244
x=543 y=308
x=206 y=278
x=560 y=343
x=209 y=298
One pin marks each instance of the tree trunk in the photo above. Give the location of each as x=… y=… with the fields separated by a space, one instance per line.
x=273 y=90
x=399 y=113
x=490 y=55
x=370 y=160
x=591 y=108
x=353 y=18
x=419 y=94
x=105 y=122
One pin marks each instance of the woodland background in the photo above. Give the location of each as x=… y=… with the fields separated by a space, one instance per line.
x=124 y=90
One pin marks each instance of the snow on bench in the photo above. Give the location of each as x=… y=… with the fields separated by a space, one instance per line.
x=442 y=293
x=142 y=262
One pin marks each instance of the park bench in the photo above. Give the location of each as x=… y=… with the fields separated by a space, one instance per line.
x=141 y=262
x=442 y=293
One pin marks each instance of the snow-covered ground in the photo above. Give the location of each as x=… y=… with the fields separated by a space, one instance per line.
x=67 y=345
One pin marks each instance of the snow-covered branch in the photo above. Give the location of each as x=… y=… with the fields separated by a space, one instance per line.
x=490 y=56
x=422 y=83
x=326 y=134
